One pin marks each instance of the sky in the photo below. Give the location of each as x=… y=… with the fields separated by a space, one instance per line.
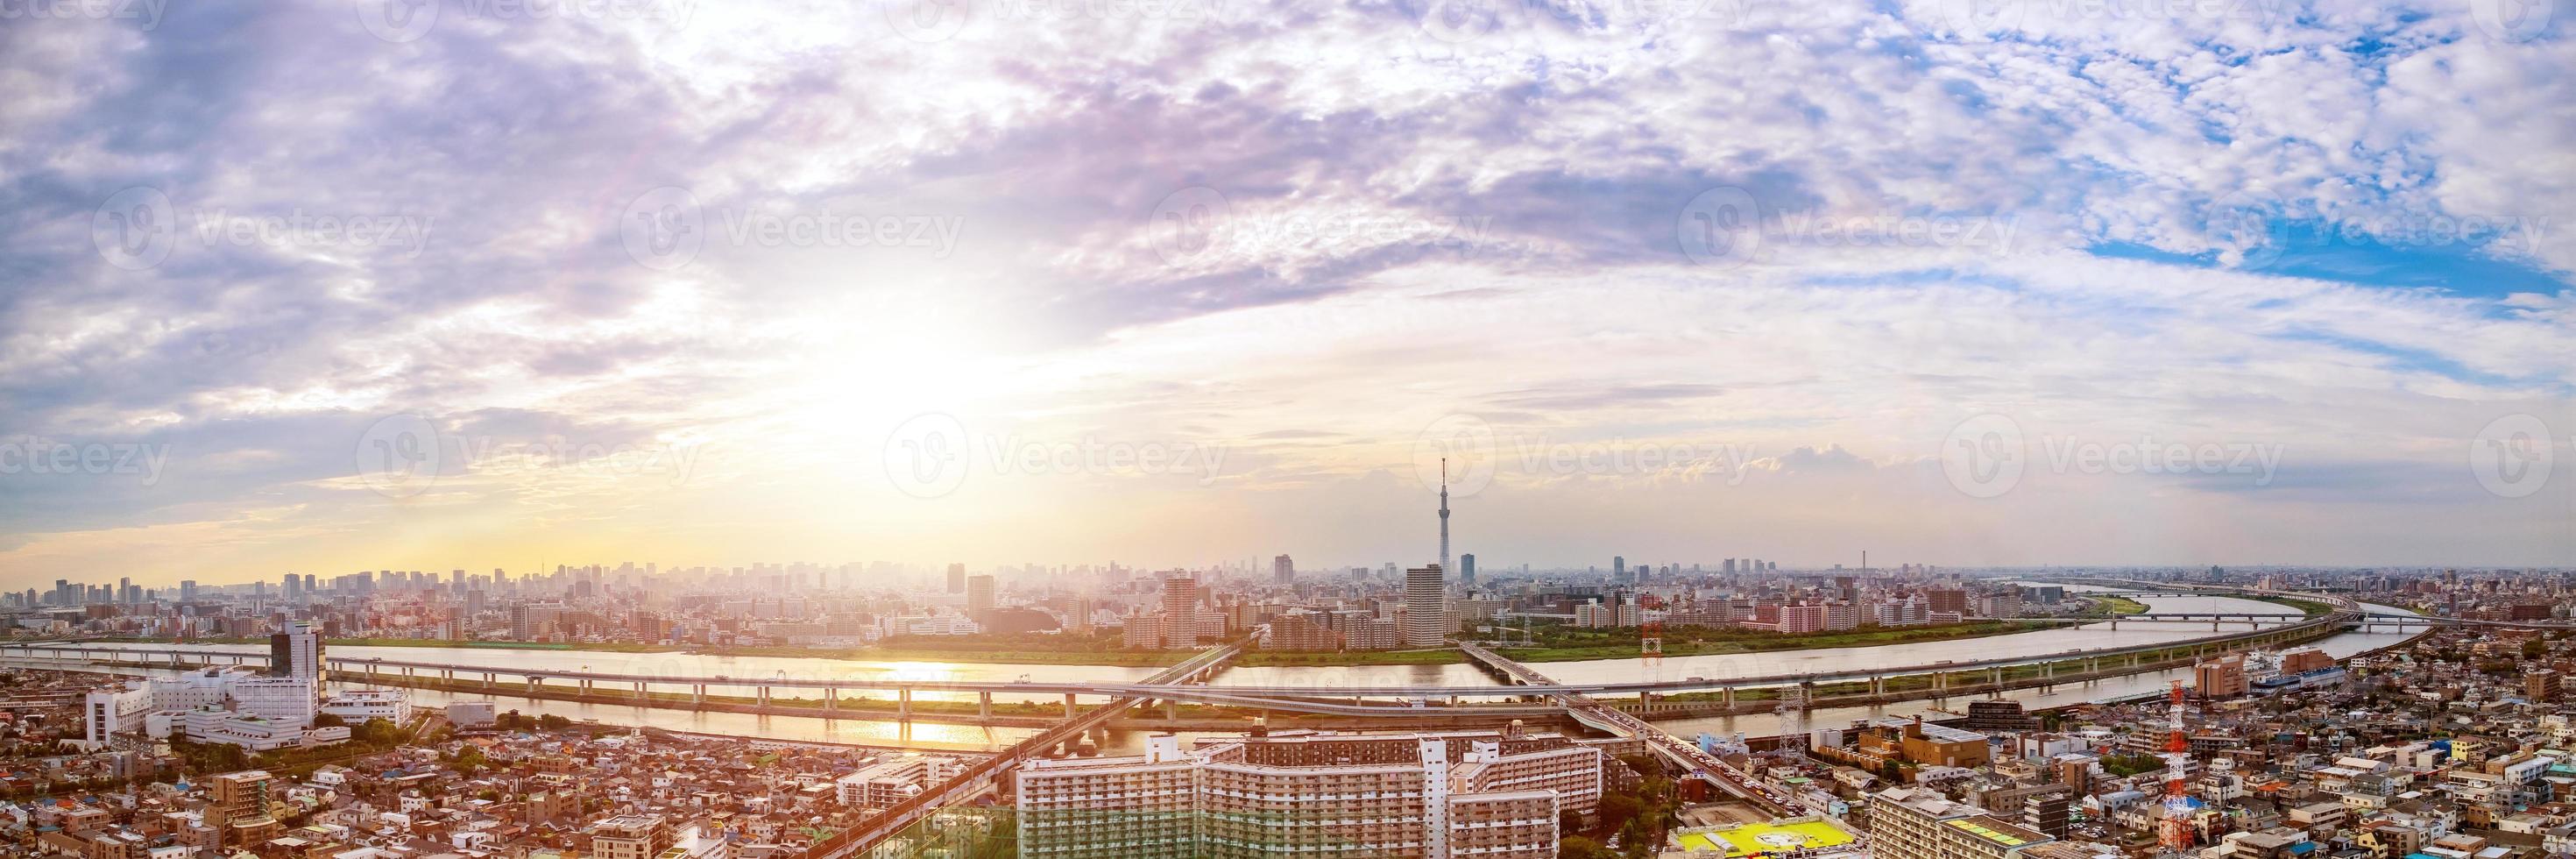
x=433 y=284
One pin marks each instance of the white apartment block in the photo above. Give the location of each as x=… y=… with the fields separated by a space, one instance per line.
x=357 y=706
x=890 y=783
x=1417 y=796
x=225 y=705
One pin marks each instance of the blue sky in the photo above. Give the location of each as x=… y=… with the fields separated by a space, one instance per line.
x=329 y=286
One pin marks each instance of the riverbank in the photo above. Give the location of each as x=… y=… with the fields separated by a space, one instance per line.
x=1604 y=644
x=2311 y=608
x=2113 y=607
x=1695 y=641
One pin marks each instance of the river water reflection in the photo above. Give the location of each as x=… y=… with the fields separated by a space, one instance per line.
x=924 y=735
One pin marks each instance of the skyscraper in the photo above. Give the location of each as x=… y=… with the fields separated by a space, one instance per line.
x=1619 y=568
x=1282 y=570
x=1426 y=607
x=979 y=598
x=1180 y=610
x=296 y=652
x=957 y=578
x=1467 y=570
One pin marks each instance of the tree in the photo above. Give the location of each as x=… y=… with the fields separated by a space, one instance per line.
x=378 y=733
x=469 y=761
x=1579 y=847
x=1638 y=839
x=329 y=720
x=1619 y=808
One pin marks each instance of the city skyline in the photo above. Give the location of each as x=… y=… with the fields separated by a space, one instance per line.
x=2046 y=286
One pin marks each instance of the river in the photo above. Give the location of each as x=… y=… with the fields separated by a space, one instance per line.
x=968 y=737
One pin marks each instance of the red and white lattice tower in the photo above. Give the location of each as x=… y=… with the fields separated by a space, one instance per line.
x=2176 y=835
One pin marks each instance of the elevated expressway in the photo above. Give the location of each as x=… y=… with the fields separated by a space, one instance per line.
x=1395 y=701
x=985 y=773
x=1600 y=717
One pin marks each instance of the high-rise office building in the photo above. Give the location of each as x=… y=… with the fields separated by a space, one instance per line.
x=1619 y=568
x=1282 y=570
x=1467 y=570
x=1180 y=610
x=296 y=651
x=957 y=578
x=979 y=598
x=1426 y=607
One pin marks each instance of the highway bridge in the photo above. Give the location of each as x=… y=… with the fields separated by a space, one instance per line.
x=985 y=774
x=2343 y=605
x=1325 y=700
x=1329 y=700
x=1597 y=716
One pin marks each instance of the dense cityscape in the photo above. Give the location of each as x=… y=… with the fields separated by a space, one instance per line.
x=242 y=728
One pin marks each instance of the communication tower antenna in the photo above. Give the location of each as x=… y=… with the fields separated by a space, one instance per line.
x=2177 y=828
x=1791 y=712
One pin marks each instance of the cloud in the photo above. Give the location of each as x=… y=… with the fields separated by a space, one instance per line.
x=1307 y=232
